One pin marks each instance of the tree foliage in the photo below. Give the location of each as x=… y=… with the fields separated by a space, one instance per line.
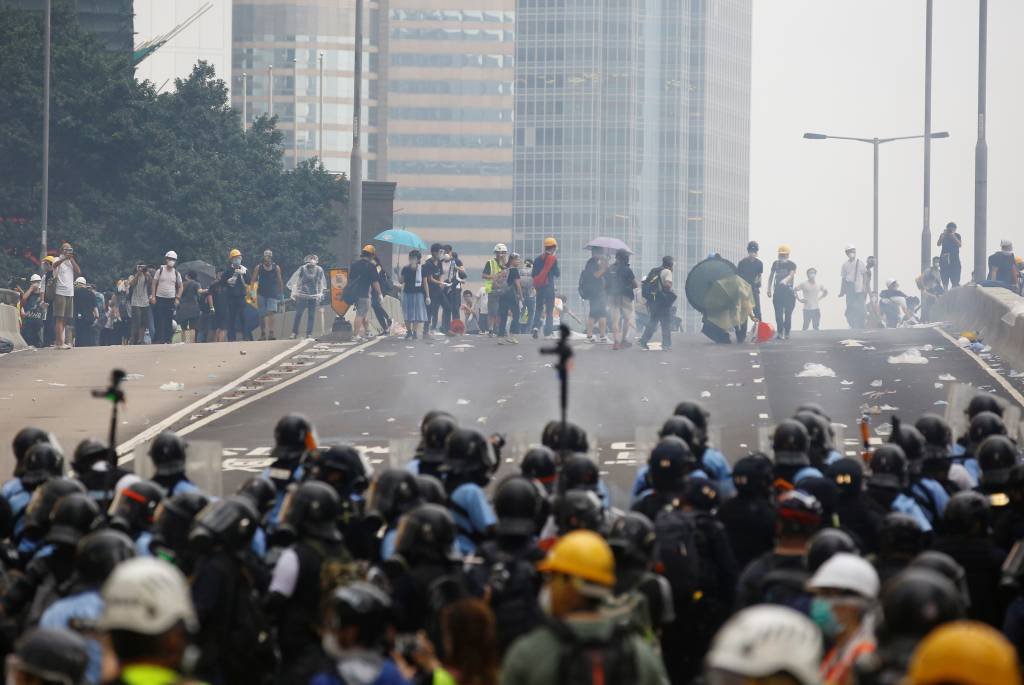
x=134 y=173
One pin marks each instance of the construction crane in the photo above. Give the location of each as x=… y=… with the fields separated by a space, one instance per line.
x=148 y=47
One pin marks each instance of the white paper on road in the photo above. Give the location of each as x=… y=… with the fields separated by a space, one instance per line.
x=812 y=370
x=705 y=394
x=947 y=377
x=851 y=343
x=844 y=382
x=877 y=383
x=911 y=356
x=461 y=401
x=172 y=385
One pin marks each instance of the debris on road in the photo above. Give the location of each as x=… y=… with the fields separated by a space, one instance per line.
x=171 y=385
x=812 y=370
x=134 y=377
x=851 y=343
x=845 y=382
x=461 y=401
x=911 y=356
x=947 y=377
x=877 y=383
x=705 y=394
x=939 y=386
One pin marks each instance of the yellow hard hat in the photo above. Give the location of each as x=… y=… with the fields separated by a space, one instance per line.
x=967 y=653
x=550 y=242
x=582 y=554
x=369 y=249
x=783 y=249
x=234 y=253
x=49 y=258
x=1019 y=260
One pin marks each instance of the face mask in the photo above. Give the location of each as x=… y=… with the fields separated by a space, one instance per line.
x=330 y=644
x=544 y=599
x=236 y=260
x=171 y=262
x=812 y=275
x=190 y=659
x=825 y=618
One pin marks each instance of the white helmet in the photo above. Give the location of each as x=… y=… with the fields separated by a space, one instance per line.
x=850 y=248
x=148 y=596
x=35 y=278
x=849 y=572
x=80 y=280
x=500 y=247
x=171 y=254
x=891 y=283
x=766 y=639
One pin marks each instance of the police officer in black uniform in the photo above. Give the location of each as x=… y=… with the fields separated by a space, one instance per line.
x=343 y=469
x=539 y=464
x=172 y=524
x=749 y=517
x=168 y=453
x=92 y=465
x=670 y=462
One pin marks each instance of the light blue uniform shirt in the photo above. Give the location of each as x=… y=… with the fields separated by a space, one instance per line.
x=476 y=515
x=85 y=606
x=904 y=504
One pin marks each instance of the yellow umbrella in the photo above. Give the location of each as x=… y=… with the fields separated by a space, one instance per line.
x=729 y=302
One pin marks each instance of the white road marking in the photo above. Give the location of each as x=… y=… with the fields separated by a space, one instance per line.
x=1011 y=391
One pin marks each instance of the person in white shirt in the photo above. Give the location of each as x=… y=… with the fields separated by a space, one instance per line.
x=810 y=293
x=66 y=269
x=854 y=288
x=165 y=296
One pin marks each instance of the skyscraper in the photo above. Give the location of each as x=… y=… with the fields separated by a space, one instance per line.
x=632 y=121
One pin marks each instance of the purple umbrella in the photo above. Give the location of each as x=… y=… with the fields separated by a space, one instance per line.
x=610 y=244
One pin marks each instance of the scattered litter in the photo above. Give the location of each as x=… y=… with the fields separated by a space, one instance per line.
x=873 y=409
x=940 y=386
x=977 y=347
x=759 y=380
x=911 y=356
x=870 y=347
x=547 y=366
x=337 y=403
x=391 y=419
x=940 y=403
x=1016 y=374
x=845 y=382
x=705 y=394
x=382 y=355
x=753 y=366
x=482 y=419
x=752 y=354
x=763 y=416
x=139 y=376
x=888 y=407
x=852 y=343
x=64 y=385
x=364 y=433
x=884 y=429
x=462 y=346
x=171 y=386
x=644 y=399
x=501 y=400
x=519 y=357
x=947 y=377
x=414 y=373
x=927 y=348
x=367 y=408
x=812 y=370
x=322 y=377
x=461 y=401
x=762 y=397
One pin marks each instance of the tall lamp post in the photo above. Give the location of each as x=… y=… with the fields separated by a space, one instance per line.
x=245 y=101
x=46 y=131
x=356 y=160
x=874 y=142
x=926 y=228
x=981 y=153
x=270 y=91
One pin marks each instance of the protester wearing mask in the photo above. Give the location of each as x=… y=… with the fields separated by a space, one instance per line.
x=414 y=296
x=545 y=273
x=810 y=293
x=307 y=286
x=780 y=280
x=65 y=270
x=1002 y=267
x=433 y=271
x=454 y=277
x=86 y=314
x=33 y=312
x=271 y=288
x=854 y=288
x=494 y=285
x=236 y=281
x=362 y=280
x=165 y=296
x=620 y=282
x=387 y=287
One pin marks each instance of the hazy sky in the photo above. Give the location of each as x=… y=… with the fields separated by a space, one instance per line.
x=856 y=68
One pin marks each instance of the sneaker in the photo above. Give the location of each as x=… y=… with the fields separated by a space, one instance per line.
x=413 y=337
x=666 y=349
x=515 y=341
x=293 y=336
x=490 y=334
x=603 y=340
x=357 y=339
x=536 y=333
x=616 y=346
x=590 y=339
x=643 y=345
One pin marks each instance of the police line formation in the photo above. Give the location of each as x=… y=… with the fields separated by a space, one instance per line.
x=801 y=567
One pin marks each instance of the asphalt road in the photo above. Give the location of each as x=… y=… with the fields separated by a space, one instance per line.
x=376 y=395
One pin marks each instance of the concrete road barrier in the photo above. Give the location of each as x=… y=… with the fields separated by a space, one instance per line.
x=995 y=314
x=9 y=327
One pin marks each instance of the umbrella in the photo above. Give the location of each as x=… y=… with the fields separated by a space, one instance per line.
x=702 y=277
x=206 y=273
x=398 y=236
x=729 y=302
x=610 y=244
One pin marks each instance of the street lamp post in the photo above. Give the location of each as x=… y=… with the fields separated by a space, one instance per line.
x=926 y=230
x=295 y=113
x=981 y=153
x=320 y=112
x=46 y=131
x=245 y=101
x=874 y=142
x=270 y=91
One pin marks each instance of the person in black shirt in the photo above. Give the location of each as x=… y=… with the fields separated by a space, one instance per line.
x=592 y=288
x=620 y=282
x=510 y=302
x=1002 y=266
x=893 y=303
x=781 y=281
x=377 y=298
x=750 y=269
x=949 y=257
x=454 y=276
x=414 y=300
x=235 y=283
x=433 y=273
x=362 y=276
x=268 y=296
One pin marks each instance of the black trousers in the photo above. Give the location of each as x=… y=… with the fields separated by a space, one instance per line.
x=949 y=272
x=664 y=319
x=508 y=306
x=784 y=301
x=545 y=304
x=377 y=302
x=236 y=319
x=433 y=309
x=451 y=311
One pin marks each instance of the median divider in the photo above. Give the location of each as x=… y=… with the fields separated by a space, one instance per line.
x=9 y=328
x=995 y=314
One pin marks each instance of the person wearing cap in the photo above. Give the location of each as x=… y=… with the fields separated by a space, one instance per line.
x=235 y=280
x=511 y=302
x=766 y=644
x=66 y=269
x=893 y=303
x=780 y=280
x=579 y=578
x=492 y=268
x=307 y=286
x=854 y=288
x=545 y=273
x=86 y=314
x=48 y=656
x=33 y=311
x=950 y=243
x=362 y=277
x=165 y=296
x=845 y=592
x=148 y=618
x=1002 y=266
x=271 y=287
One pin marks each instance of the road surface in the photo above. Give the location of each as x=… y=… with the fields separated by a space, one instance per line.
x=373 y=395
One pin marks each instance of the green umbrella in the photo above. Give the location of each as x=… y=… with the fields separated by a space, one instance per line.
x=702 y=277
x=729 y=302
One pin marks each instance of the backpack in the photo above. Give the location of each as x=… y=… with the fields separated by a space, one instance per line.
x=513 y=583
x=651 y=287
x=247 y=650
x=595 y=661
x=387 y=283
x=677 y=554
x=588 y=285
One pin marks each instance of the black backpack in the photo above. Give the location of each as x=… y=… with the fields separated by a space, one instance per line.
x=651 y=287
x=584 y=661
x=686 y=557
x=248 y=652
x=513 y=582
x=589 y=285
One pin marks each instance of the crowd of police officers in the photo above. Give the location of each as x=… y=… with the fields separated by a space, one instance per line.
x=805 y=566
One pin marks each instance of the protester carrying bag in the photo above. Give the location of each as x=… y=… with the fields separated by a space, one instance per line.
x=541 y=279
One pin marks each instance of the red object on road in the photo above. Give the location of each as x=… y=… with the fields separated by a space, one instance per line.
x=457 y=327
x=765 y=332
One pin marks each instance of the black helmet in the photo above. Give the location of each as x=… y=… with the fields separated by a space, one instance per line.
x=342 y=467
x=967 y=514
x=426 y=534
x=44 y=500
x=431 y=489
x=134 y=507
x=752 y=246
x=819 y=439
x=889 y=468
x=982 y=402
x=312 y=510
x=578 y=471
x=670 y=461
x=935 y=430
x=798 y=513
x=393 y=493
x=632 y=539
x=997 y=454
x=983 y=425
x=918 y=600
x=575 y=442
x=168 y=454
x=292 y=432
x=752 y=475
x=946 y=566
x=52 y=655
x=99 y=552
x=6 y=519
x=73 y=515
x=435 y=432
x=826 y=543
x=790 y=444
x=88 y=452
x=682 y=428
x=578 y=510
x=229 y=523
x=909 y=440
x=539 y=464
x=24 y=439
x=173 y=521
x=901 y=535
x=814 y=408
x=365 y=606
x=42 y=462
x=261 y=491
x=701 y=494
x=827 y=494
x=519 y=506
x=470 y=458
x=695 y=412
x=848 y=475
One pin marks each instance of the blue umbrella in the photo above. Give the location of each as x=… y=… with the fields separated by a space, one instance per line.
x=397 y=236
